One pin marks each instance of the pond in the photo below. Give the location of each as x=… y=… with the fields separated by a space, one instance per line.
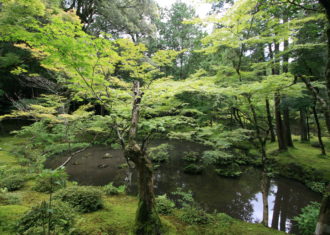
x=239 y=197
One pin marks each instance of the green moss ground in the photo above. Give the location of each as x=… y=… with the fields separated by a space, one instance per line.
x=118 y=214
x=305 y=156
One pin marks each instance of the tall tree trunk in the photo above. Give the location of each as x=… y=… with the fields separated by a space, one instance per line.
x=287 y=128
x=325 y=103
x=147 y=219
x=319 y=132
x=270 y=122
x=279 y=124
x=277 y=207
x=326 y=5
x=303 y=125
x=323 y=224
x=286 y=111
x=264 y=189
x=277 y=98
x=308 y=127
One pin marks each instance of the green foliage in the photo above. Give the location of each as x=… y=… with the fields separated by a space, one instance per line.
x=83 y=198
x=176 y=35
x=159 y=153
x=7 y=198
x=49 y=181
x=191 y=157
x=316 y=186
x=194 y=215
x=164 y=205
x=231 y=170
x=9 y=215
x=110 y=189
x=12 y=183
x=184 y=198
x=308 y=218
x=58 y=216
x=217 y=157
x=193 y=169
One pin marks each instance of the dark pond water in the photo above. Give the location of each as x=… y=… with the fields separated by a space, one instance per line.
x=241 y=197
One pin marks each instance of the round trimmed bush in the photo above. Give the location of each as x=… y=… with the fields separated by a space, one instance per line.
x=194 y=215
x=190 y=157
x=164 y=205
x=49 y=181
x=59 y=216
x=110 y=189
x=12 y=183
x=83 y=198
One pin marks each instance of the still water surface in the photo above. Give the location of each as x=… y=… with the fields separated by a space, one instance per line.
x=241 y=197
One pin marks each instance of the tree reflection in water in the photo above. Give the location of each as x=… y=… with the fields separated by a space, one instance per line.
x=242 y=198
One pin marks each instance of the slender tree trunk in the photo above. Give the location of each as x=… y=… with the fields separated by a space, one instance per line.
x=308 y=127
x=277 y=98
x=270 y=122
x=303 y=125
x=277 y=207
x=323 y=224
x=286 y=111
x=264 y=190
x=279 y=124
x=326 y=6
x=284 y=214
x=319 y=132
x=325 y=103
x=287 y=128
x=147 y=219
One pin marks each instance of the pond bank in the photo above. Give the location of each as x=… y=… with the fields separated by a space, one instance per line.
x=302 y=163
x=241 y=198
x=117 y=217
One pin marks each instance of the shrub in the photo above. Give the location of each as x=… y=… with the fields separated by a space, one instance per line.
x=184 y=198
x=217 y=157
x=110 y=189
x=7 y=198
x=316 y=186
x=159 y=153
x=164 y=205
x=49 y=181
x=190 y=156
x=307 y=220
x=194 y=215
x=12 y=183
x=83 y=198
x=193 y=169
x=191 y=213
x=233 y=170
x=59 y=217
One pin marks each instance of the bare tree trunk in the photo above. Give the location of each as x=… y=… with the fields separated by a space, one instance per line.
x=264 y=190
x=147 y=219
x=326 y=6
x=270 y=122
x=277 y=208
x=287 y=128
x=279 y=125
x=323 y=224
x=323 y=102
x=319 y=133
x=303 y=125
x=277 y=98
x=308 y=127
